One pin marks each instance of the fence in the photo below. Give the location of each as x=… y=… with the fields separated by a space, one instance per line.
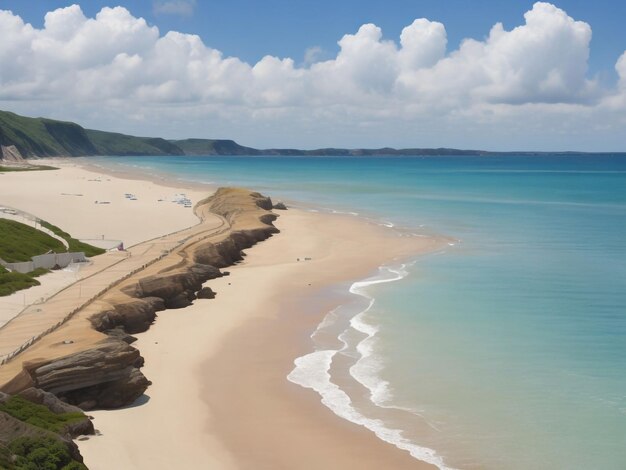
x=48 y=261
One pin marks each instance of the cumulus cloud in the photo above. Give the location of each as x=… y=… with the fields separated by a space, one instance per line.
x=117 y=62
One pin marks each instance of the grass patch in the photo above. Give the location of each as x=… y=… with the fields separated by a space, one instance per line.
x=75 y=245
x=38 y=272
x=19 y=242
x=39 y=415
x=9 y=169
x=12 y=282
x=41 y=453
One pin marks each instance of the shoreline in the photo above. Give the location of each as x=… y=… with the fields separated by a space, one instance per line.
x=284 y=337
x=151 y=342
x=226 y=450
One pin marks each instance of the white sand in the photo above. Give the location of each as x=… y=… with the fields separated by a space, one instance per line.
x=51 y=196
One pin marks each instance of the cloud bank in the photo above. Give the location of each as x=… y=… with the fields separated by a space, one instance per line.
x=525 y=87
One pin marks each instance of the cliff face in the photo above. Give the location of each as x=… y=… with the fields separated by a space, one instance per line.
x=10 y=154
x=109 y=375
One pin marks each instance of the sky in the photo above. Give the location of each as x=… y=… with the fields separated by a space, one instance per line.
x=486 y=74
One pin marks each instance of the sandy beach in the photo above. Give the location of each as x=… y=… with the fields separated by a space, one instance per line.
x=220 y=397
x=67 y=198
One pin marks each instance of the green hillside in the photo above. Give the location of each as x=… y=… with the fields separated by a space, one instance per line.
x=213 y=147
x=19 y=242
x=110 y=143
x=39 y=137
x=43 y=137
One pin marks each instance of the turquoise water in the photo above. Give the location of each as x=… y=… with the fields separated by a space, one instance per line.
x=506 y=351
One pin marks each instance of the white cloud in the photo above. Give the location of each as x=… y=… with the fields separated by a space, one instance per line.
x=621 y=70
x=409 y=92
x=174 y=7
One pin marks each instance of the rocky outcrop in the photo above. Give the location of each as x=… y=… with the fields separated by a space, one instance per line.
x=134 y=315
x=280 y=206
x=109 y=376
x=106 y=376
x=206 y=293
x=10 y=153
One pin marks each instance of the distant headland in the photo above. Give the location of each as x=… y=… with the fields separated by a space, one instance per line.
x=25 y=137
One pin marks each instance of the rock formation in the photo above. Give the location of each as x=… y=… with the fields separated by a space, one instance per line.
x=10 y=153
x=206 y=293
x=108 y=375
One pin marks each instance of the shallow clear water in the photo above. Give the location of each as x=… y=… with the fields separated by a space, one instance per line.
x=511 y=345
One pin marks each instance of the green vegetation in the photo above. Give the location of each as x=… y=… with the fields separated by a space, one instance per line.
x=39 y=415
x=12 y=282
x=5 y=457
x=43 y=137
x=39 y=448
x=38 y=272
x=50 y=138
x=109 y=143
x=9 y=169
x=19 y=242
x=41 y=453
x=75 y=245
x=213 y=147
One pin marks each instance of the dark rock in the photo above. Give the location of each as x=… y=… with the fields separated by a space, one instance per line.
x=181 y=300
x=107 y=376
x=119 y=333
x=263 y=202
x=280 y=206
x=206 y=293
x=134 y=316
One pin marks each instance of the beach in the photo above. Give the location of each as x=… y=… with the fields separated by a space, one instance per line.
x=219 y=396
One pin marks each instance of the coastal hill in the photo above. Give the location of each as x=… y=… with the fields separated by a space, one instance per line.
x=25 y=137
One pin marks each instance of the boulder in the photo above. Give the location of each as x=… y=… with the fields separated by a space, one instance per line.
x=135 y=315
x=107 y=376
x=206 y=293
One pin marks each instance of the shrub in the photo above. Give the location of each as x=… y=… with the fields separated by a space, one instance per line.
x=38 y=415
x=42 y=453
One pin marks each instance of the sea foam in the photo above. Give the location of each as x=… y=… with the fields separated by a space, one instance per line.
x=313 y=371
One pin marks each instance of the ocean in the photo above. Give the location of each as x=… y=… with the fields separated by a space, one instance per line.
x=507 y=350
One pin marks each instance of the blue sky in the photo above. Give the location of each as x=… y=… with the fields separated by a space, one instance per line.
x=553 y=75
